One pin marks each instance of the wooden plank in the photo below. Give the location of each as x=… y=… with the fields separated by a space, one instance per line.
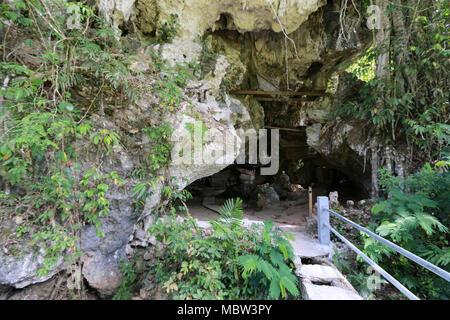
x=277 y=93
x=285 y=100
x=285 y=129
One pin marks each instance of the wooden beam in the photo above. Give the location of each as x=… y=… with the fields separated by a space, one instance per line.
x=285 y=129
x=278 y=93
x=310 y=214
x=285 y=100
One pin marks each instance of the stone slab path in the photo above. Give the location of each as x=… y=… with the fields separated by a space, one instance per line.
x=320 y=280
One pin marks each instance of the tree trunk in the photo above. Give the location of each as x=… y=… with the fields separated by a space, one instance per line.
x=383 y=44
x=389 y=163
x=382 y=73
x=401 y=40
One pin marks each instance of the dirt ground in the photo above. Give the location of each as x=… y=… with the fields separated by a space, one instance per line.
x=288 y=212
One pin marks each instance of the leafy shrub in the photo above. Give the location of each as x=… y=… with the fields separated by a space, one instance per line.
x=416 y=217
x=233 y=263
x=268 y=263
x=168 y=31
x=129 y=283
x=159 y=153
x=41 y=122
x=410 y=106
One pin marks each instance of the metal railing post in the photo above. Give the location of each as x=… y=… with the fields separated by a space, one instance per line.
x=323 y=220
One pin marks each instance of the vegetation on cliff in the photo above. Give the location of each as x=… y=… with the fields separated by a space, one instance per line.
x=57 y=73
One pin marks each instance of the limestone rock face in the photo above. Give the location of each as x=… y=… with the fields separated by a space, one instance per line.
x=102 y=274
x=255 y=44
x=121 y=226
x=19 y=263
x=319 y=111
x=197 y=16
x=344 y=144
x=118 y=11
x=21 y=271
x=286 y=44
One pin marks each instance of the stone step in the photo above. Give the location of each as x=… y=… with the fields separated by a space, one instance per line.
x=325 y=282
x=319 y=292
x=308 y=248
x=317 y=281
x=319 y=273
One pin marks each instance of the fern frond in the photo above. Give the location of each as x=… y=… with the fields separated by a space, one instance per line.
x=274 y=289
x=249 y=263
x=232 y=212
x=269 y=271
x=289 y=285
x=289 y=236
x=285 y=271
x=427 y=222
x=286 y=248
x=276 y=257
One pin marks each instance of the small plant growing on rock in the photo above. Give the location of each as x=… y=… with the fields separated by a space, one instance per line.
x=169 y=30
x=129 y=282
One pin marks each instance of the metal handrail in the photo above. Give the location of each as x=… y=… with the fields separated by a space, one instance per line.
x=324 y=228
x=424 y=263
x=380 y=270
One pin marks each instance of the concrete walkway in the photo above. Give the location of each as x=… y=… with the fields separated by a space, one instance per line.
x=319 y=278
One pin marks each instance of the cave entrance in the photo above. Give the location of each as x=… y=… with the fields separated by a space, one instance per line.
x=264 y=197
x=308 y=168
x=283 y=197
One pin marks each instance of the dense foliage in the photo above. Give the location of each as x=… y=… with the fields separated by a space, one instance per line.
x=43 y=124
x=56 y=74
x=48 y=102
x=405 y=98
x=416 y=217
x=409 y=104
x=232 y=263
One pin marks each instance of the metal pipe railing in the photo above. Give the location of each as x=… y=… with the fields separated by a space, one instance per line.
x=324 y=228
x=380 y=270
x=424 y=263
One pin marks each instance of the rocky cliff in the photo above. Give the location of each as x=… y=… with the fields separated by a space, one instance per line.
x=271 y=45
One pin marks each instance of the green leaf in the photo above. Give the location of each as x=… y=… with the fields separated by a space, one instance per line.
x=289 y=285
x=274 y=289
x=379 y=207
x=289 y=236
x=283 y=249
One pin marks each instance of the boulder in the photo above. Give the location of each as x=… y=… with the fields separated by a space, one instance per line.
x=19 y=261
x=266 y=197
x=103 y=273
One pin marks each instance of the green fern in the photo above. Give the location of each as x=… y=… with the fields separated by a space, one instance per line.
x=249 y=263
x=231 y=215
x=231 y=212
x=416 y=217
x=269 y=262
